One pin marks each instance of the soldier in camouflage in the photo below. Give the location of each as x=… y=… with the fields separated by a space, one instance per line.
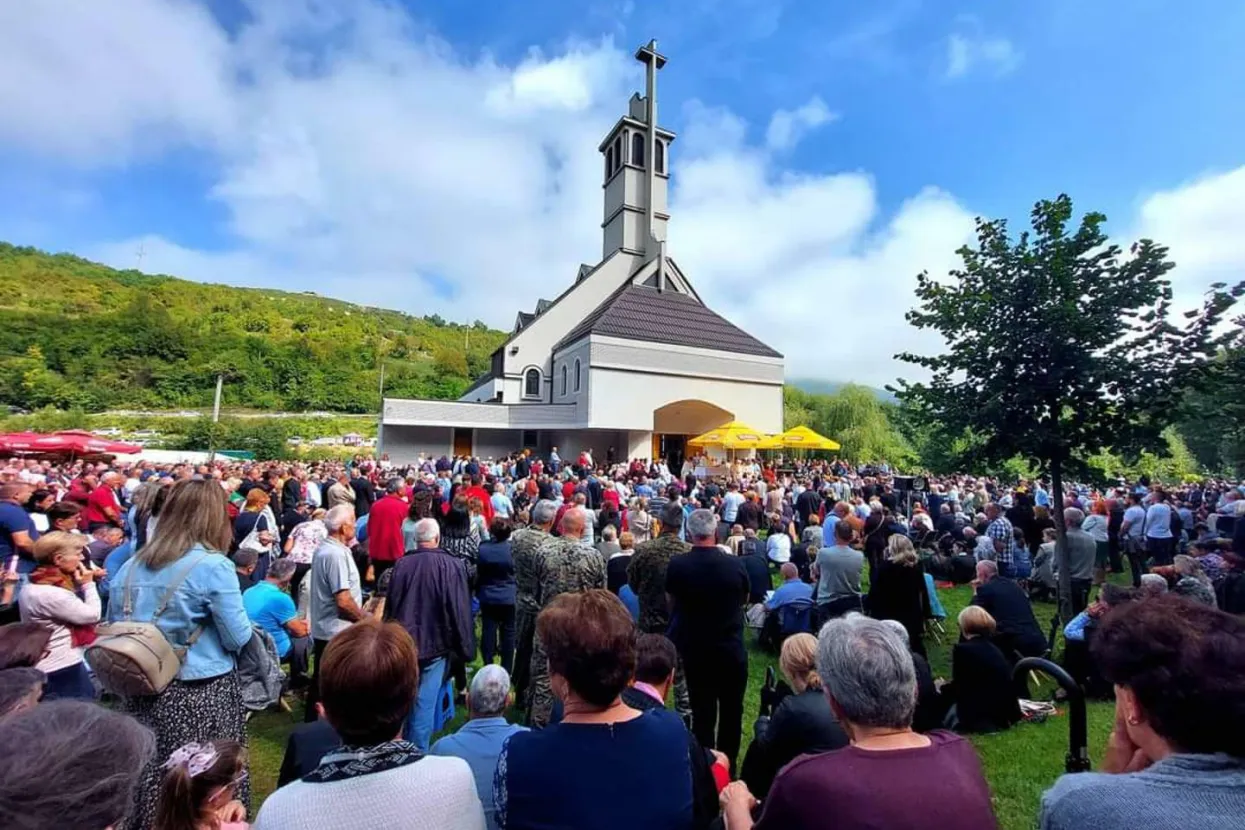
x=646 y=574
x=525 y=548
x=567 y=563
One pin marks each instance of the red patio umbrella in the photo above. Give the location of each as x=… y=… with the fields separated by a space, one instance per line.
x=81 y=442
x=19 y=441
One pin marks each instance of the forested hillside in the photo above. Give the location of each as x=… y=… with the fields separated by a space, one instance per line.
x=77 y=334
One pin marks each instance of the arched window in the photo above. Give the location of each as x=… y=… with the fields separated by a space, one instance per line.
x=637 y=149
x=563 y=380
x=578 y=374
x=609 y=161
x=531 y=383
x=659 y=156
x=618 y=151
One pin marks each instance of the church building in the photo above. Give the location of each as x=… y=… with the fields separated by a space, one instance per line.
x=628 y=361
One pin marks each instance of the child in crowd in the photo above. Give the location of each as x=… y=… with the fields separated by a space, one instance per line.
x=199 y=786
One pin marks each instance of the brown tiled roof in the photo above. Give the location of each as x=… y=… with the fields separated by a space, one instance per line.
x=637 y=312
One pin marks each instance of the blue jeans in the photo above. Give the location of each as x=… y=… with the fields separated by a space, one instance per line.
x=69 y=683
x=419 y=722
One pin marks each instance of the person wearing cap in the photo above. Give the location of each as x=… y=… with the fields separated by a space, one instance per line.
x=62 y=596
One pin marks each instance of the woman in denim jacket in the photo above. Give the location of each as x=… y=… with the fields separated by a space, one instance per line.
x=204 y=702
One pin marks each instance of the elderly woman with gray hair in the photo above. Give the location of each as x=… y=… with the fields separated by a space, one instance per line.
x=890 y=776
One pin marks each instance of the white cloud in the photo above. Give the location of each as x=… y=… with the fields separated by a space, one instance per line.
x=787 y=127
x=104 y=81
x=390 y=165
x=969 y=50
x=1201 y=223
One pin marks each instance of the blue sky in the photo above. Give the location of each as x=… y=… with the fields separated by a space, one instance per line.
x=440 y=157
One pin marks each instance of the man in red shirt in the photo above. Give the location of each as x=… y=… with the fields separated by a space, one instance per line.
x=478 y=492
x=384 y=528
x=102 y=507
x=80 y=489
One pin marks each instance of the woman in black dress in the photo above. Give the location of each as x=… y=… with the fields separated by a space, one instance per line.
x=897 y=591
x=981 y=687
x=802 y=723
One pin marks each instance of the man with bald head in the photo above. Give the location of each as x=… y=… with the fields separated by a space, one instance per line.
x=102 y=507
x=565 y=564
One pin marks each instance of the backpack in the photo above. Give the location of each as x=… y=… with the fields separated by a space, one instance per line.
x=136 y=659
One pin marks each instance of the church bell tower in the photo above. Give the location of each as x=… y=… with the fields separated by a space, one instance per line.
x=636 y=155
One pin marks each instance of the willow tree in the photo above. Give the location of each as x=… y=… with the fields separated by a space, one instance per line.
x=854 y=416
x=1058 y=344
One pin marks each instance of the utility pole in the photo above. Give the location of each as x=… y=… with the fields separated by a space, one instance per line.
x=380 y=416
x=142 y=252
x=220 y=385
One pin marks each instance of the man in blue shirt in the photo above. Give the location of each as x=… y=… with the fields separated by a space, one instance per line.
x=791 y=590
x=268 y=605
x=834 y=515
x=479 y=740
x=17 y=529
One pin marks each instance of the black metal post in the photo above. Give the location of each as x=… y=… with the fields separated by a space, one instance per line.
x=1078 y=731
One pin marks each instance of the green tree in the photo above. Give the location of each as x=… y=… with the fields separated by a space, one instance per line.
x=1058 y=344
x=854 y=416
x=1212 y=417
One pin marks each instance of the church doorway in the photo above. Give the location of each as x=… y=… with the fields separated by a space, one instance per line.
x=462 y=441
x=673 y=448
x=675 y=423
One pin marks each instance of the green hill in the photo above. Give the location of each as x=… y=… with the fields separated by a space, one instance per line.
x=77 y=334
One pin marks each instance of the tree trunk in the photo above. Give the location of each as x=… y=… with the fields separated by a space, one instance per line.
x=1061 y=540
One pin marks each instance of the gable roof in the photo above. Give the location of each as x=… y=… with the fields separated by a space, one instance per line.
x=637 y=312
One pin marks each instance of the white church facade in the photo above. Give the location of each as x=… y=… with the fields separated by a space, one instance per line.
x=628 y=361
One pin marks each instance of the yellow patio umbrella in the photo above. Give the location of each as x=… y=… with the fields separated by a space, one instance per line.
x=732 y=436
x=771 y=442
x=801 y=438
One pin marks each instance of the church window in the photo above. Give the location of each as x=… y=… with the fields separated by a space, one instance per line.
x=637 y=149
x=578 y=374
x=618 y=151
x=609 y=161
x=659 y=156
x=564 y=380
x=531 y=383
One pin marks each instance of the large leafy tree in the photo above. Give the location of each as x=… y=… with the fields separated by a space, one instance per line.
x=1058 y=344
x=1212 y=417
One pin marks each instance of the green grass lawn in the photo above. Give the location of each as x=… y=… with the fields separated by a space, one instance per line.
x=1020 y=763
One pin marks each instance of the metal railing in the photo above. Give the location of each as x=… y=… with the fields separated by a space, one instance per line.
x=1077 y=759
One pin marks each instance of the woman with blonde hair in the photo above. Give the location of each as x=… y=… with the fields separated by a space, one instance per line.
x=981 y=696
x=479 y=527
x=183 y=583
x=802 y=723
x=63 y=598
x=897 y=591
x=256 y=529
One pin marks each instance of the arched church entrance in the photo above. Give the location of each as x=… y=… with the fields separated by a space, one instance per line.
x=676 y=422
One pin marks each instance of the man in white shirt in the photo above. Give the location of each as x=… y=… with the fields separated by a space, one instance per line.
x=1132 y=535
x=1160 y=541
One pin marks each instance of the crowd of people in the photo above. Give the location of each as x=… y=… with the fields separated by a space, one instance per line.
x=608 y=605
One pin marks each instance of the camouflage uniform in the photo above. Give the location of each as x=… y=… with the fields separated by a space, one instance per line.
x=525 y=547
x=646 y=574
x=565 y=566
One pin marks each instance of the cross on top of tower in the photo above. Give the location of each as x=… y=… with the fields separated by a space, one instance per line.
x=648 y=54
